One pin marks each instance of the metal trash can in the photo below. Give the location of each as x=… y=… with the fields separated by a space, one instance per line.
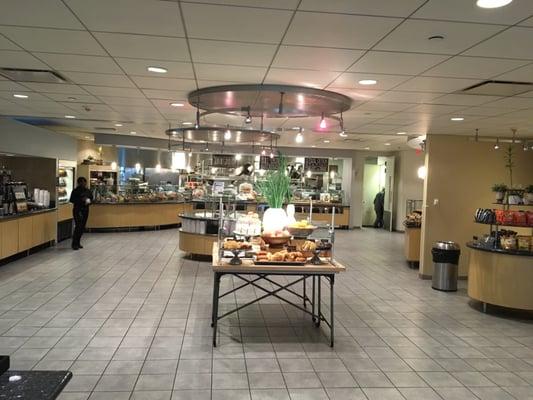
x=445 y=265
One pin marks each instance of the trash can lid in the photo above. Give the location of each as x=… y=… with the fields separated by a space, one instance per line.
x=446 y=245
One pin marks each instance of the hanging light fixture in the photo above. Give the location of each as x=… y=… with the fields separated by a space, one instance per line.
x=238 y=156
x=158 y=168
x=323 y=122
x=299 y=137
x=138 y=168
x=248 y=119
x=263 y=152
x=227 y=134
x=114 y=165
x=342 y=133
x=497 y=145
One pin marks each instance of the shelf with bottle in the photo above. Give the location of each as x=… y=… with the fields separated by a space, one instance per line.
x=505 y=224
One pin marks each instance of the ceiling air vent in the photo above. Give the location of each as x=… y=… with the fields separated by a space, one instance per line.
x=498 y=88
x=32 y=75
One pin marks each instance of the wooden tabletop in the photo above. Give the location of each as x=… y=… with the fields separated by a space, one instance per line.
x=248 y=267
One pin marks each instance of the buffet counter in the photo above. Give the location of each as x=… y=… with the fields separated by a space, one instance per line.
x=198 y=233
x=500 y=277
x=22 y=232
x=135 y=214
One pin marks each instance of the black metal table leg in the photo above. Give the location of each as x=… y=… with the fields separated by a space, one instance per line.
x=305 y=293
x=331 y=305
x=313 y=300
x=319 y=300
x=214 y=318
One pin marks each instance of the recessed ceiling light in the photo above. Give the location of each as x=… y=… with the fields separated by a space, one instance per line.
x=368 y=82
x=187 y=123
x=157 y=70
x=492 y=3
x=326 y=141
x=87 y=137
x=367 y=148
x=176 y=104
x=457 y=119
x=71 y=98
x=70 y=116
x=133 y=133
x=118 y=124
x=20 y=96
x=343 y=134
x=313 y=146
x=400 y=133
x=387 y=144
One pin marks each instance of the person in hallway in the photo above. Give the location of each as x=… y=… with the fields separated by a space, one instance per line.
x=81 y=197
x=379 y=206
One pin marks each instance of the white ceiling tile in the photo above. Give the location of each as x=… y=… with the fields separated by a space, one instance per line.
x=524 y=74
x=460 y=10
x=53 y=40
x=6 y=44
x=141 y=101
x=33 y=97
x=220 y=22
x=86 y=110
x=384 y=82
x=78 y=63
x=514 y=102
x=165 y=94
x=430 y=84
x=316 y=58
x=230 y=73
x=74 y=98
x=130 y=16
x=527 y=22
x=513 y=43
x=463 y=99
x=351 y=31
x=139 y=67
x=393 y=8
x=300 y=77
x=473 y=67
x=436 y=108
x=383 y=106
x=145 y=82
x=396 y=63
x=221 y=52
x=408 y=97
x=19 y=59
x=359 y=95
x=526 y=94
x=147 y=47
x=412 y=36
x=55 y=88
x=281 y=4
x=38 y=13
x=10 y=85
x=112 y=91
x=85 y=78
x=484 y=111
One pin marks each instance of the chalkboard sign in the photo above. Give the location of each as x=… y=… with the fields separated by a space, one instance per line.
x=316 y=164
x=223 y=161
x=265 y=162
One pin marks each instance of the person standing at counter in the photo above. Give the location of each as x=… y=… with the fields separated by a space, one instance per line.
x=81 y=197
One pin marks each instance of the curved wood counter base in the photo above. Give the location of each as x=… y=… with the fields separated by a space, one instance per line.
x=500 y=279
x=134 y=215
x=196 y=243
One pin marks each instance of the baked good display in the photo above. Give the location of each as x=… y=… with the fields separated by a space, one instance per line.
x=276 y=237
x=230 y=244
x=280 y=257
x=301 y=228
x=248 y=225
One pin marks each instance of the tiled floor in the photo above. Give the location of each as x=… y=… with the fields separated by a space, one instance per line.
x=130 y=318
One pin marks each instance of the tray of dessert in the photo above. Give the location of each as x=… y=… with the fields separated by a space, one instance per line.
x=282 y=257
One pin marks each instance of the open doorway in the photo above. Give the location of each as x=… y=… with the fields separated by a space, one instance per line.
x=378 y=195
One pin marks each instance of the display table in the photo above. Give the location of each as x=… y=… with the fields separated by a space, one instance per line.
x=412 y=245
x=135 y=214
x=501 y=277
x=221 y=267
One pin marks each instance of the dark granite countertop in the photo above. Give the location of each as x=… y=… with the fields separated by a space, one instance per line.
x=26 y=214
x=476 y=246
x=38 y=385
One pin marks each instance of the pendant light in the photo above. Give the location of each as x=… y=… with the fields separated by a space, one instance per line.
x=322 y=122
x=497 y=145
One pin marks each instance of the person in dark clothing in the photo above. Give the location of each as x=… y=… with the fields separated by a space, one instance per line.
x=379 y=207
x=81 y=197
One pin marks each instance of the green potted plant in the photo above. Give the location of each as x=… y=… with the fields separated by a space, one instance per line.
x=499 y=189
x=274 y=189
x=528 y=195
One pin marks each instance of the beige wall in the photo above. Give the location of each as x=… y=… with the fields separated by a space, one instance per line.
x=460 y=175
x=408 y=185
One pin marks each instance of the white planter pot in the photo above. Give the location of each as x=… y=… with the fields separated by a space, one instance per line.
x=274 y=219
x=514 y=199
x=499 y=197
x=528 y=198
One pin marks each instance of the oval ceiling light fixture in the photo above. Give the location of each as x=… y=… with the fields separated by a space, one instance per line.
x=70 y=116
x=367 y=148
x=456 y=119
x=157 y=70
x=493 y=3
x=20 y=96
x=187 y=123
x=387 y=144
x=436 y=37
x=401 y=133
x=326 y=141
x=367 y=82
x=133 y=133
x=176 y=104
x=118 y=124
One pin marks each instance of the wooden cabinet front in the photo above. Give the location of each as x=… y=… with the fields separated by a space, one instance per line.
x=10 y=237
x=25 y=233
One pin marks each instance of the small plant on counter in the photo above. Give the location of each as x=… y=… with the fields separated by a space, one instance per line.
x=499 y=189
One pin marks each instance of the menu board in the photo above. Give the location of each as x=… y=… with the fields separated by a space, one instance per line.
x=314 y=164
x=265 y=162
x=223 y=161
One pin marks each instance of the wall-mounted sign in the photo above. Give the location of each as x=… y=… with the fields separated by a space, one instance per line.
x=223 y=161
x=314 y=164
x=265 y=162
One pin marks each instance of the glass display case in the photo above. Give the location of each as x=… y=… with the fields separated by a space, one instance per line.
x=65 y=183
x=138 y=192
